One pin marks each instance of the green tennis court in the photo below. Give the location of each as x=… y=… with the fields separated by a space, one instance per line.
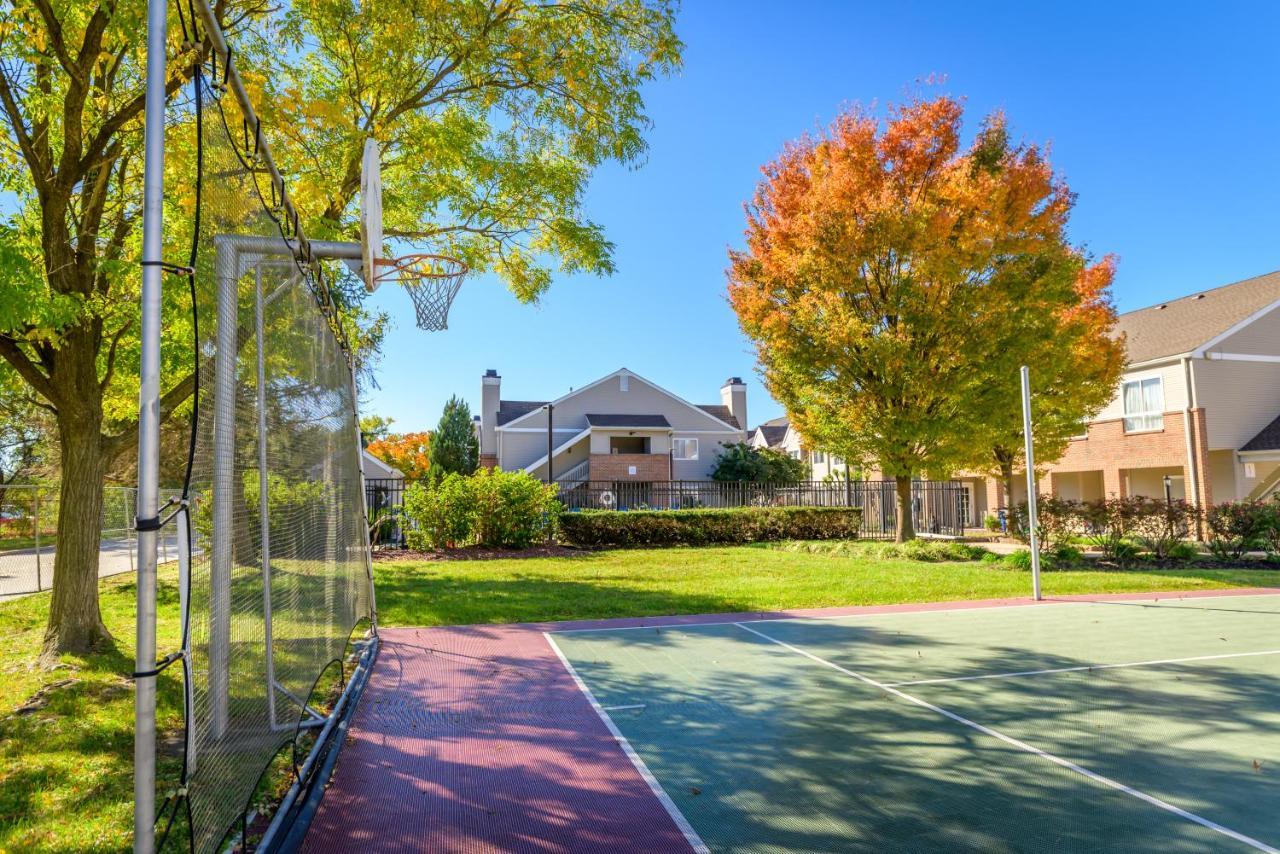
x=1070 y=726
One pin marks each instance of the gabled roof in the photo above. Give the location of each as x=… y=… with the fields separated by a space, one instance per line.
x=1181 y=325
x=519 y=409
x=1267 y=440
x=774 y=430
x=615 y=420
x=509 y=410
x=720 y=412
x=773 y=434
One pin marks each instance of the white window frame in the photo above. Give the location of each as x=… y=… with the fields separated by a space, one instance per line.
x=1145 y=420
x=819 y=458
x=675 y=445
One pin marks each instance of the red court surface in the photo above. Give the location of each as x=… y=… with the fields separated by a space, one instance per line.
x=477 y=739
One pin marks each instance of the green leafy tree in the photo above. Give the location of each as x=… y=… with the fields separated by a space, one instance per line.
x=492 y=115
x=743 y=462
x=374 y=428
x=1062 y=326
x=454 y=448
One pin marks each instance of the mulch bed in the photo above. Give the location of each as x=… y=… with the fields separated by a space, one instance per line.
x=478 y=553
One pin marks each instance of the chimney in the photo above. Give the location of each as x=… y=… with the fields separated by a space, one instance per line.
x=490 y=399
x=733 y=394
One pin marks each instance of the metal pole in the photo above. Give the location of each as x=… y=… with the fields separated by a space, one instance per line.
x=227 y=273
x=39 y=573
x=264 y=518
x=144 y=700
x=550 y=442
x=1033 y=520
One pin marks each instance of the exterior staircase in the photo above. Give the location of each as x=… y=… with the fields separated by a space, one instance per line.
x=575 y=476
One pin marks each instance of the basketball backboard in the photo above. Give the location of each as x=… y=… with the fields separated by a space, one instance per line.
x=371 y=213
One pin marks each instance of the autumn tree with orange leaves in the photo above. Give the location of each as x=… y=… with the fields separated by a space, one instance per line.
x=893 y=281
x=409 y=452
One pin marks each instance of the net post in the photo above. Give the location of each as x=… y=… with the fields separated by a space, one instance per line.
x=144 y=737
x=1033 y=519
x=227 y=274
x=264 y=520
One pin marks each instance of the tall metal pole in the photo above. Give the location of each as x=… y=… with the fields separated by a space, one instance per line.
x=144 y=739
x=1033 y=519
x=550 y=442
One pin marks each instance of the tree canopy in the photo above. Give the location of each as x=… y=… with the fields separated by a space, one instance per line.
x=886 y=277
x=454 y=446
x=408 y=452
x=740 y=461
x=492 y=114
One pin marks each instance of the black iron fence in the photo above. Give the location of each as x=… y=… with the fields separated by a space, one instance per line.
x=938 y=507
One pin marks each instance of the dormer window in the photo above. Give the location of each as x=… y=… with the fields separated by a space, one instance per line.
x=1143 y=405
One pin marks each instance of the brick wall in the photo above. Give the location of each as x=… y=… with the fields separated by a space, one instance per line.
x=488 y=461
x=607 y=468
x=1110 y=450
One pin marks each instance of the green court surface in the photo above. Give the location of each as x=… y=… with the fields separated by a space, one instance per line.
x=1149 y=726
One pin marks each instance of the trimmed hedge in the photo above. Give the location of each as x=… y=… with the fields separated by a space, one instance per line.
x=706 y=527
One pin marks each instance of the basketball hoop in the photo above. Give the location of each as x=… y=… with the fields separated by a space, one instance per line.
x=432 y=282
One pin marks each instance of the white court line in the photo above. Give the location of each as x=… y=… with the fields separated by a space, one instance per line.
x=690 y=835
x=1022 y=745
x=625 y=708
x=1081 y=668
x=809 y=617
x=1049 y=601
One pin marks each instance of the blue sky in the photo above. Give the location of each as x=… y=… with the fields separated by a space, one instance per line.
x=1164 y=118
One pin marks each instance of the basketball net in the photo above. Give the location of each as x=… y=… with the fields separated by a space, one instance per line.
x=432 y=282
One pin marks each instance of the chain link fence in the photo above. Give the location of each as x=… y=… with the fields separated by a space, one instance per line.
x=29 y=536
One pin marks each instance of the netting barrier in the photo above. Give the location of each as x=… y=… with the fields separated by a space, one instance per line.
x=276 y=584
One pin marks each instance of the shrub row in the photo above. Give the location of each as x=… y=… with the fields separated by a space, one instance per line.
x=1122 y=527
x=489 y=508
x=706 y=527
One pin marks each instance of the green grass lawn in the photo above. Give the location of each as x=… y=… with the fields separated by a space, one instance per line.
x=66 y=734
x=66 y=757
x=633 y=583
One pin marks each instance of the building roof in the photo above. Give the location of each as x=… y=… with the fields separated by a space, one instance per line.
x=618 y=420
x=1267 y=440
x=510 y=410
x=1183 y=324
x=774 y=430
x=721 y=412
x=773 y=433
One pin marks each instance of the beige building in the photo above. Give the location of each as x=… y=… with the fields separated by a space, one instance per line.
x=1199 y=403
x=778 y=434
x=621 y=428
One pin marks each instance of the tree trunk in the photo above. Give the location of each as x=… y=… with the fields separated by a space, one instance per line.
x=1006 y=482
x=75 y=622
x=906 y=529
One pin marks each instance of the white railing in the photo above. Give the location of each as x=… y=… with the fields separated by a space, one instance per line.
x=575 y=476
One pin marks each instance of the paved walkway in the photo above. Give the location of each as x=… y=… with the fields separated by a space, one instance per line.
x=27 y=571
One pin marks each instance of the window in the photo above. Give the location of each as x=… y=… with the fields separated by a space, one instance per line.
x=795 y=455
x=1143 y=405
x=684 y=449
x=819 y=458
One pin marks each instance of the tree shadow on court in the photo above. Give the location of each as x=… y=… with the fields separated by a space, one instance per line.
x=477 y=736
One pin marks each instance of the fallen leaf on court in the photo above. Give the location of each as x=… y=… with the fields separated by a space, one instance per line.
x=696 y=791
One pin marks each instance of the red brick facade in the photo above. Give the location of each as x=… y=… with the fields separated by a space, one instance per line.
x=1108 y=449
x=488 y=461
x=608 y=468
